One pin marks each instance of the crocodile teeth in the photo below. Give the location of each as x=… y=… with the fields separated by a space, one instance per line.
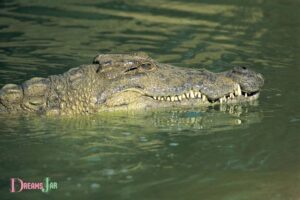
x=192 y=94
x=198 y=94
x=238 y=91
x=223 y=99
x=188 y=95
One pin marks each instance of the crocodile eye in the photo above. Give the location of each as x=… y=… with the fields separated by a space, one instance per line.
x=146 y=66
x=132 y=68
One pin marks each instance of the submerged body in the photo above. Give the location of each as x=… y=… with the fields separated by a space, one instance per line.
x=128 y=82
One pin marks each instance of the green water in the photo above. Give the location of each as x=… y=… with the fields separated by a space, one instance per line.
x=241 y=152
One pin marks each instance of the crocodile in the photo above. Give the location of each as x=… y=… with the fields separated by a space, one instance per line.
x=118 y=82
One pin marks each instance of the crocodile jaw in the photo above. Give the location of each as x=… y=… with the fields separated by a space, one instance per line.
x=132 y=98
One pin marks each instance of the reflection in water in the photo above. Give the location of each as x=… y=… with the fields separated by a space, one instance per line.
x=119 y=147
x=231 y=152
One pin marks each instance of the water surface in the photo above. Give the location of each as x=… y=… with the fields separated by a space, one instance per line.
x=239 y=152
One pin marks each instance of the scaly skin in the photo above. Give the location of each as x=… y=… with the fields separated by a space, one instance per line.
x=128 y=82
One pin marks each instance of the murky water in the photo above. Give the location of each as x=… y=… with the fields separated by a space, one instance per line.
x=240 y=152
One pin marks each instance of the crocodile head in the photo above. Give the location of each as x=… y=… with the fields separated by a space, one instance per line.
x=137 y=81
x=126 y=82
